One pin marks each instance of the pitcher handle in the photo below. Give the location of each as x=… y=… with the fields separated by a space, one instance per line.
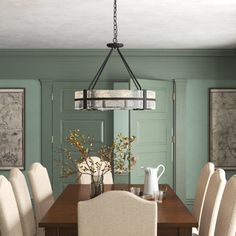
x=162 y=172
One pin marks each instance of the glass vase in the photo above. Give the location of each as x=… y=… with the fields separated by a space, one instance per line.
x=97 y=186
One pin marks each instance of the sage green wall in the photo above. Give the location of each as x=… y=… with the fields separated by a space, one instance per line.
x=194 y=70
x=32 y=118
x=196 y=136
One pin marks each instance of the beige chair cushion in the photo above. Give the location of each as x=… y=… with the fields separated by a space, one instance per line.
x=86 y=178
x=9 y=215
x=203 y=181
x=226 y=220
x=23 y=200
x=117 y=213
x=41 y=189
x=212 y=203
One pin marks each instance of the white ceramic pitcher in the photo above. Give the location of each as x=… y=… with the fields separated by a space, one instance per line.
x=151 y=179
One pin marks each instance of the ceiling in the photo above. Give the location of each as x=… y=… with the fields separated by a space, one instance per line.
x=159 y=24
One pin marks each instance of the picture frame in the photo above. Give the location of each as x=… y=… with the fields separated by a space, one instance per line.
x=12 y=128
x=222 y=127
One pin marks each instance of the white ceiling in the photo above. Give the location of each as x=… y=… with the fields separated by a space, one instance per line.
x=195 y=24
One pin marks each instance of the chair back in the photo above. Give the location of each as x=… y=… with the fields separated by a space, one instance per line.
x=23 y=200
x=212 y=203
x=86 y=178
x=117 y=213
x=41 y=189
x=10 y=224
x=226 y=220
x=203 y=181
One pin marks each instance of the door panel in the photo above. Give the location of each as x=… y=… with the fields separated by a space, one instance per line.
x=94 y=123
x=153 y=131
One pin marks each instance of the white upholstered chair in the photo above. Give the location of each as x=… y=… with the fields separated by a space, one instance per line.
x=226 y=220
x=203 y=181
x=117 y=213
x=86 y=178
x=41 y=189
x=23 y=200
x=212 y=203
x=9 y=215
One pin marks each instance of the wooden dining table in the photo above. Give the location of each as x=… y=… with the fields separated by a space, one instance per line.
x=174 y=219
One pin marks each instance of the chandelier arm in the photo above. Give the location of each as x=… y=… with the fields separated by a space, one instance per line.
x=131 y=76
x=136 y=83
x=96 y=77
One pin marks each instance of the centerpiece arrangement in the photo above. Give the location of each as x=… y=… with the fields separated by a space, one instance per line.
x=116 y=158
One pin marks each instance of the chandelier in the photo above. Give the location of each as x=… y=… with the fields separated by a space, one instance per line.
x=103 y=99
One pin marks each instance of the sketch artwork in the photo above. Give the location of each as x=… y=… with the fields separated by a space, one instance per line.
x=223 y=128
x=11 y=128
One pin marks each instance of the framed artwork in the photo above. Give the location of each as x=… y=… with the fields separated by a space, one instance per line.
x=12 y=109
x=222 y=125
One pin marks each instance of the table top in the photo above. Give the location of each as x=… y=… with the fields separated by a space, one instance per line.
x=171 y=212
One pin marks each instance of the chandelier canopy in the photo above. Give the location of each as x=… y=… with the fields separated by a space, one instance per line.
x=96 y=99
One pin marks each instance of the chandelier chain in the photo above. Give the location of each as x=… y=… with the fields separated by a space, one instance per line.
x=115 y=27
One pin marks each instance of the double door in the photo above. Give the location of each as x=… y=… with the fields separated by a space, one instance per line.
x=153 y=129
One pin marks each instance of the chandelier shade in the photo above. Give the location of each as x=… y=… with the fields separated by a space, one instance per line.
x=115 y=100
x=95 y=99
